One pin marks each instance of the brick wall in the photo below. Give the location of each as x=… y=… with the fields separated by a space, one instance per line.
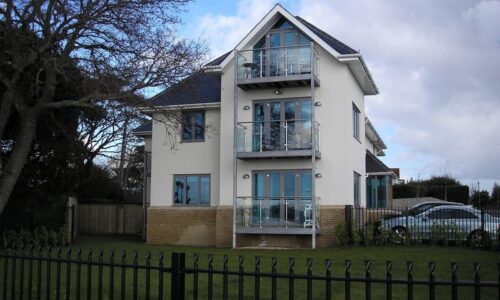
x=195 y=226
x=224 y=226
x=212 y=226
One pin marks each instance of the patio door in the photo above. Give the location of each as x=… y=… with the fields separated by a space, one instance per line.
x=281 y=197
x=282 y=125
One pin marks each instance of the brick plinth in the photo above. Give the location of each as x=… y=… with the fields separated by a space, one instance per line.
x=194 y=226
x=212 y=226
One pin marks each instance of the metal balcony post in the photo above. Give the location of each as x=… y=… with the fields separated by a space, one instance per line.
x=286 y=212
x=260 y=144
x=260 y=63
x=260 y=212
x=286 y=135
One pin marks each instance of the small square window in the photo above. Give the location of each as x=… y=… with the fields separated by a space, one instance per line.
x=192 y=190
x=193 y=126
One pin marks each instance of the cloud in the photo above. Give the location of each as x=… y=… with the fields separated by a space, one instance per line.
x=223 y=33
x=437 y=64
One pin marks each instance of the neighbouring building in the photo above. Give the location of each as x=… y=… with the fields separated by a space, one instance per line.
x=274 y=143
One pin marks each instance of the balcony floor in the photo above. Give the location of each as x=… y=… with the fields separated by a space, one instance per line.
x=277 y=154
x=299 y=80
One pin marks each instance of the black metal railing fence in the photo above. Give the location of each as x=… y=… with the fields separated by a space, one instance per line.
x=37 y=274
x=372 y=226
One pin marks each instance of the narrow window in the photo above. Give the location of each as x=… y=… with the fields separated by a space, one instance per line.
x=355 y=121
x=192 y=190
x=193 y=126
x=357 y=189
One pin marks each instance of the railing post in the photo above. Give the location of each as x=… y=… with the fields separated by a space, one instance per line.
x=347 y=278
x=348 y=223
x=409 y=266
x=454 y=293
x=368 y=278
x=477 y=282
x=432 y=290
x=177 y=278
x=389 y=279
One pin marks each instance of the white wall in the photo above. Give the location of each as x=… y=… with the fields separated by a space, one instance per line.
x=186 y=158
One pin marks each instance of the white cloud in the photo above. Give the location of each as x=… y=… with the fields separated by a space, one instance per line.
x=222 y=33
x=437 y=64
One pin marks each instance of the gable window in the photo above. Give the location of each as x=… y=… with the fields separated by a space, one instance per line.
x=355 y=121
x=193 y=126
x=192 y=190
x=357 y=189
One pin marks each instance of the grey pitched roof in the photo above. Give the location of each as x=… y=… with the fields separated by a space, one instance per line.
x=218 y=60
x=199 y=87
x=144 y=129
x=330 y=40
x=375 y=165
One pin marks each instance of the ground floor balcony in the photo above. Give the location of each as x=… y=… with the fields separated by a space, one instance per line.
x=277 y=215
x=278 y=139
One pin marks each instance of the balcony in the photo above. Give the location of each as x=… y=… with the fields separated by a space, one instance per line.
x=277 y=139
x=277 y=215
x=278 y=67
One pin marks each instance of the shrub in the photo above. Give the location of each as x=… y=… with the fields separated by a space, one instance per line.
x=341 y=238
x=40 y=237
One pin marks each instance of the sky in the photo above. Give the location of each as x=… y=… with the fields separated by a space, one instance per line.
x=436 y=63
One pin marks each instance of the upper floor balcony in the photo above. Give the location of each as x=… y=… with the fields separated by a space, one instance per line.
x=277 y=67
x=278 y=139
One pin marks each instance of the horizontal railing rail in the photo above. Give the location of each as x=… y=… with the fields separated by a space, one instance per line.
x=26 y=274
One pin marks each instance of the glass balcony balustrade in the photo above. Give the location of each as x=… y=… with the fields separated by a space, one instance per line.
x=276 y=213
x=277 y=138
x=277 y=67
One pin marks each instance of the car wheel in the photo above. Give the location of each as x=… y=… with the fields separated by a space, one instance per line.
x=399 y=235
x=479 y=239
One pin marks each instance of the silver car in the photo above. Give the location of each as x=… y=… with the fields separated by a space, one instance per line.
x=448 y=222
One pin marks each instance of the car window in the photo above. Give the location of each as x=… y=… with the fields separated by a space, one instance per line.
x=463 y=214
x=440 y=214
x=418 y=210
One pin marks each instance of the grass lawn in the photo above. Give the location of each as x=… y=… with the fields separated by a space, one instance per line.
x=378 y=255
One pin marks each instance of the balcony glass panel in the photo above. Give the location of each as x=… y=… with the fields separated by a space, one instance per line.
x=277 y=60
x=276 y=212
x=277 y=135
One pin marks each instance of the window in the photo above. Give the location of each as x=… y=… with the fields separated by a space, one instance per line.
x=192 y=190
x=355 y=121
x=193 y=126
x=357 y=189
x=376 y=191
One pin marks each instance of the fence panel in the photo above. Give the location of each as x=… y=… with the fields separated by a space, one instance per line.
x=110 y=218
x=99 y=275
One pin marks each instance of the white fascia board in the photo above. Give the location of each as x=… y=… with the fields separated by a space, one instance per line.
x=392 y=174
x=360 y=71
x=272 y=15
x=180 y=106
x=372 y=134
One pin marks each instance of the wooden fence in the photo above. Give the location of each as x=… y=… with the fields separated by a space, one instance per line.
x=110 y=218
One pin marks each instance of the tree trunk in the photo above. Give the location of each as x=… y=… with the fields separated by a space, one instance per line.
x=18 y=156
x=123 y=152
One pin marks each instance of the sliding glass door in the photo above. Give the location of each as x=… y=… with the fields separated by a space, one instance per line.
x=281 y=197
x=282 y=125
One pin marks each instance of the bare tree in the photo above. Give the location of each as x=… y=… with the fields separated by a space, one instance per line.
x=118 y=48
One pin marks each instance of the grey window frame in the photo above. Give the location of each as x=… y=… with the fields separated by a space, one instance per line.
x=184 y=204
x=193 y=126
x=355 y=121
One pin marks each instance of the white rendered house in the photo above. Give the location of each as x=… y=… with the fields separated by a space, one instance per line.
x=274 y=143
